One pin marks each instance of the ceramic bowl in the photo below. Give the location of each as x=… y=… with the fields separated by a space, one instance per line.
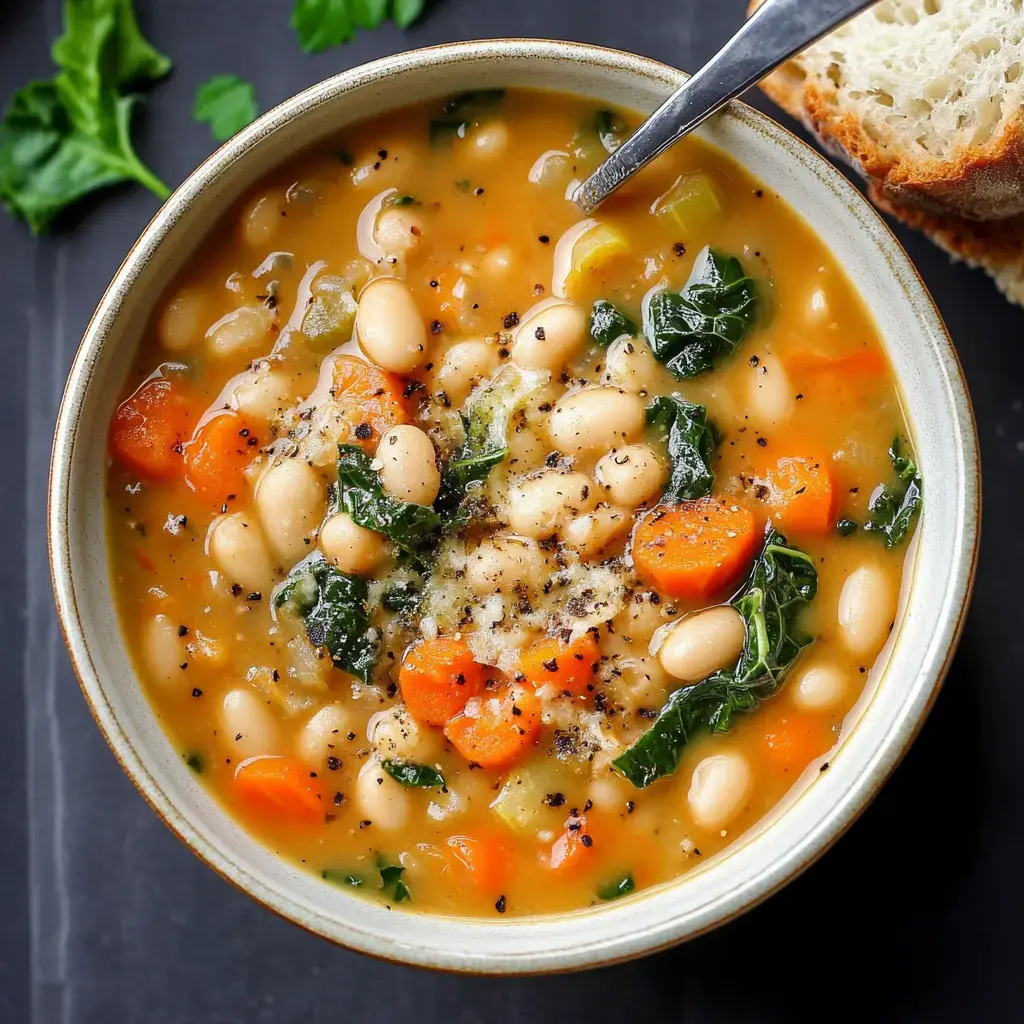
x=936 y=589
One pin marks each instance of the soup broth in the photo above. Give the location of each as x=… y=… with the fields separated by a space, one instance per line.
x=490 y=560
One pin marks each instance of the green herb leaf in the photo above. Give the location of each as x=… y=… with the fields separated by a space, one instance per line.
x=321 y=24
x=781 y=583
x=402 y=597
x=894 y=507
x=413 y=775
x=846 y=526
x=709 y=319
x=333 y=608
x=227 y=104
x=391 y=881
x=195 y=761
x=341 y=877
x=407 y=11
x=621 y=886
x=461 y=111
x=608 y=324
x=64 y=138
x=690 y=438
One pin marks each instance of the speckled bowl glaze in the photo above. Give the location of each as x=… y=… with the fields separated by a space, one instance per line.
x=935 y=594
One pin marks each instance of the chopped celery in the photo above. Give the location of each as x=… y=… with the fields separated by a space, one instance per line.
x=529 y=791
x=691 y=202
x=596 y=246
x=327 y=323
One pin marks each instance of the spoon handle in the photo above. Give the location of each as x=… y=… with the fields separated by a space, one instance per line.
x=777 y=31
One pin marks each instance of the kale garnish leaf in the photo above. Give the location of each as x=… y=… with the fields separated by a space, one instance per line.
x=608 y=323
x=413 y=775
x=690 y=439
x=894 y=506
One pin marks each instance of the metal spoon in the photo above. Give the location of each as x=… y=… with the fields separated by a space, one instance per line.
x=777 y=31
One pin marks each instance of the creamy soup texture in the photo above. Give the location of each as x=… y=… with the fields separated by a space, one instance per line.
x=485 y=559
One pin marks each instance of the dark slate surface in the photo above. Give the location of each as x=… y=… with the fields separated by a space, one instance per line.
x=106 y=918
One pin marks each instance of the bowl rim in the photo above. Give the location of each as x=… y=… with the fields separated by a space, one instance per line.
x=855 y=799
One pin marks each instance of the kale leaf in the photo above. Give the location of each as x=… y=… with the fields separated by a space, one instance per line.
x=621 y=886
x=782 y=582
x=66 y=137
x=333 y=608
x=413 y=775
x=227 y=104
x=321 y=24
x=690 y=438
x=708 y=319
x=459 y=113
x=894 y=507
x=608 y=324
x=391 y=880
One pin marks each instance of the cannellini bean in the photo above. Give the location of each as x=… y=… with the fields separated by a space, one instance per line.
x=489 y=141
x=398 y=230
x=180 y=325
x=609 y=793
x=596 y=419
x=409 y=465
x=382 y=801
x=263 y=394
x=238 y=548
x=501 y=562
x=540 y=507
x=590 y=534
x=498 y=263
x=351 y=547
x=867 y=607
x=819 y=687
x=241 y=332
x=549 y=337
x=260 y=223
x=395 y=733
x=631 y=365
x=631 y=475
x=373 y=171
x=163 y=651
x=325 y=735
x=769 y=393
x=463 y=367
x=389 y=326
x=719 y=789
x=290 y=501
x=245 y=725
x=703 y=643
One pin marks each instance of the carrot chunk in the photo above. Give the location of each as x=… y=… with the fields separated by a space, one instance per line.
x=217 y=456
x=370 y=398
x=493 y=730
x=438 y=677
x=792 y=742
x=573 y=849
x=281 y=788
x=802 y=494
x=569 y=668
x=150 y=427
x=692 y=550
x=866 y=362
x=487 y=858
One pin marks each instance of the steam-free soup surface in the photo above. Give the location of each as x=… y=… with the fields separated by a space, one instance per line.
x=488 y=560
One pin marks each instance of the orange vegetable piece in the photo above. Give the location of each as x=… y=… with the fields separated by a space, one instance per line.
x=493 y=730
x=573 y=849
x=866 y=362
x=281 y=788
x=794 y=741
x=218 y=454
x=802 y=494
x=438 y=677
x=568 y=667
x=692 y=550
x=368 y=397
x=487 y=858
x=150 y=427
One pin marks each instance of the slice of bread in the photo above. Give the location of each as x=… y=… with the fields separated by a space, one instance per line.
x=925 y=97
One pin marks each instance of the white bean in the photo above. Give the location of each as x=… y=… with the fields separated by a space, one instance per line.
x=631 y=475
x=398 y=230
x=769 y=393
x=389 y=325
x=702 y=643
x=409 y=465
x=260 y=223
x=463 y=367
x=498 y=263
x=590 y=534
x=245 y=725
x=395 y=733
x=382 y=801
x=549 y=337
x=631 y=365
x=325 y=735
x=596 y=419
x=238 y=548
x=163 y=651
x=500 y=562
x=180 y=325
x=719 y=789
x=867 y=607
x=290 y=501
x=241 y=332
x=819 y=688
x=609 y=793
x=489 y=141
x=542 y=506
x=263 y=394
x=351 y=547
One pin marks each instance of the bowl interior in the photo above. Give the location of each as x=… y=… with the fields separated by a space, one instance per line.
x=934 y=596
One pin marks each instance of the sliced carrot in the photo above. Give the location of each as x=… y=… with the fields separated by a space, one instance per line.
x=281 y=788
x=495 y=729
x=437 y=677
x=573 y=849
x=217 y=456
x=792 y=742
x=370 y=399
x=569 y=668
x=865 y=362
x=150 y=427
x=143 y=559
x=487 y=858
x=802 y=494
x=692 y=550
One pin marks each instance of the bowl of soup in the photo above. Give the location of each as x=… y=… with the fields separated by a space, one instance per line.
x=489 y=587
